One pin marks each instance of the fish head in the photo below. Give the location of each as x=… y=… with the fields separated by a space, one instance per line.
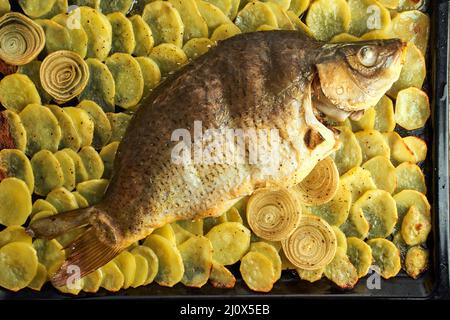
x=352 y=77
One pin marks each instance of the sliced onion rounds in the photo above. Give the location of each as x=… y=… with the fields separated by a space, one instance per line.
x=273 y=214
x=64 y=75
x=321 y=185
x=312 y=245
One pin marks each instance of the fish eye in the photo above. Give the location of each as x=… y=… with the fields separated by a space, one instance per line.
x=368 y=56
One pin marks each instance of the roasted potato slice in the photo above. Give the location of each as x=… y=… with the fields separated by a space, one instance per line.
x=62 y=199
x=367 y=15
x=166 y=232
x=225 y=31
x=197 y=47
x=341 y=239
x=168 y=57
x=412 y=108
x=221 y=277
x=194 y=24
x=42 y=205
x=386 y=257
x=341 y=271
x=50 y=253
x=257 y=272
x=360 y=255
x=36 y=9
x=68 y=169
x=271 y=253
x=416 y=261
x=108 y=154
x=367 y=121
x=92 y=162
x=196 y=253
x=310 y=275
x=78 y=37
x=372 y=144
x=80 y=170
x=349 y=154
x=212 y=14
x=383 y=173
x=418 y=147
x=122 y=6
x=141 y=271
x=413 y=26
x=143 y=36
x=19 y=263
x=283 y=20
x=119 y=124
x=32 y=70
x=112 y=278
x=384 y=115
x=69 y=134
x=399 y=150
x=254 y=15
x=299 y=6
x=356 y=225
x=410 y=177
x=17 y=91
x=93 y=281
x=152 y=262
x=14 y=164
x=81 y=201
x=102 y=126
x=99 y=33
x=93 y=190
x=14 y=234
x=83 y=124
x=11 y=126
x=358 y=181
x=408 y=198
x=15 y=202
x=416 y=227
x=39 y=279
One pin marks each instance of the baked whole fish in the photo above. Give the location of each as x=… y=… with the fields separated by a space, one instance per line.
x=279 y=80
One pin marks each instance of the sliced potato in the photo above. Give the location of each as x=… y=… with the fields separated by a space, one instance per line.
x=141 y=271
x=372 y=144
x=358 y=181
x=349 y=154
x=367 y=121
x=165 y=22
x=399 y=150
x=50 y=253
x=15 y=202
x=102 y=126
x=401 y=245
x=32 y=70
x=15 y=134
x=166 y=232
x=224 y=5
x=408 y=198
x=119 y=123
x=42 y=215
x=150 y=72
x=112 y=278
x=418 y=147
x=78 y=37
x=405 y=5
x=356 y=225
x=344 y=37
x=66 y=239
x=412 y=108
x=168 y=57
x=197 y=47
x=69 y=134
x=36 y=9
x=221 y=277
x=416 y=261
x=416 y=227
x=93 y=281
x=299 y=6
x=108 y=155
x=82 y=201
x=93 y=190
x=39 y=279
x=310 y=275
x=413 y=72
x=68 y=169
x=181 y=234
x=384 y=115
x=80 y=170
x=368 y=15
x=193 y=226
x=271 y=253
x=19 y=264
x=233 y=215
x=42 y=205
x=83 y=124
x=410 y=177
x=122 y=6
x=254 y=15
x=101 y=87
x=48 y=174
x=385 y=256
x=143 y=36
x=17 y=91
x=225 y=31
x=412 y=26
x=376 y=35
x=383 y=173
x=298 y=24
x=14 y=164
x=327 y=19
x=43 y=130
x=283 y=20
x=341 y=271
x=360 y=255
x=99 y=33
x=196 y=253
x=266 y=27
x=212 y=14
x=62 y=200
x=257 y=272
x=57 y=37
x=92 y=162
x=14 y=234
x=152 y=261
x=194 y=24
x=341 y=239
x=230 y=241
x=171 y=268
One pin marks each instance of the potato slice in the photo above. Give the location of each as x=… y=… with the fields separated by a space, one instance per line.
x=271 y=253
x=386 y=257
x=343 y=37
x=99 y=33
x=32 y=70
x=372 y=144
x=327 y=19
x=254 y=15
x=68 y=169
x=266 y=27
x=257 y=272
x=166 y=232
x=412 y=108
x=62 y=200
x=42 y=205
x=349 y=154
x=43 y=130
x=168 y=57
x=413 y=72
x=416 y=261
x=50 y=253
x=360 y=255
x=221 y=277
x=119 y=124
x=93 y=190
x=408 y=198
x=122 y=6
x=341 y=271
x=126 y=262
x=384 y=115
x=212 y=14
x=196 y=253
x=39 y=279
x=108 y=155
x=225 y=6
x=42 y=215
x=165 y=22
x=193 y=226
x=80 y=170
x=399 y=150
x=143 y=36
x=230 y=241
x=418 y=147
x=336 y=211
x=379 y=208
x=390 y=4
x=122 y=33
x=11 y=126
x=310 y=275
x=196 y=47
x=83 y=124
x=69 y=134
x=57 y=37
x=410 y=177
x=92 y=162
x=95 y=4
x=341 y=239
x=93 y=281
x=78 y=37
x=19 y=263
x=14 y=234
x=358 y=181
x=102 y=126
x=194 y=24
x=171 y=268
x=152 y=262
x=413 y=26
x=368 y=15
x=299 y=6
x=14 y=164
x=112 y=278
x=283 y=20
x=141 y=271
x=224 y=31
x=36 y=9
x=405 y=5
x=150 y=72
x=367 y=122
x=416 y=227
x=233 y=215
x=356 y=225
x=15 y=202
x=48 y=174
x=298 y=24
x=5 y=7
x=82 y=202
x=401 y=245
x=101 y=87
x=181 y=234
x=66 y=239
x=383 y=173
x=17 y=91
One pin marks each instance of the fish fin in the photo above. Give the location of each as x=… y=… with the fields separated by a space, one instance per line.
x=54 y=226
x=87 y=254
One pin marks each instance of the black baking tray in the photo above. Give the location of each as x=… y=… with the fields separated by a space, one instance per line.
x=433 y=284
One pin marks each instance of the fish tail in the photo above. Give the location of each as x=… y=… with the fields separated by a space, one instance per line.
x=86 y=253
